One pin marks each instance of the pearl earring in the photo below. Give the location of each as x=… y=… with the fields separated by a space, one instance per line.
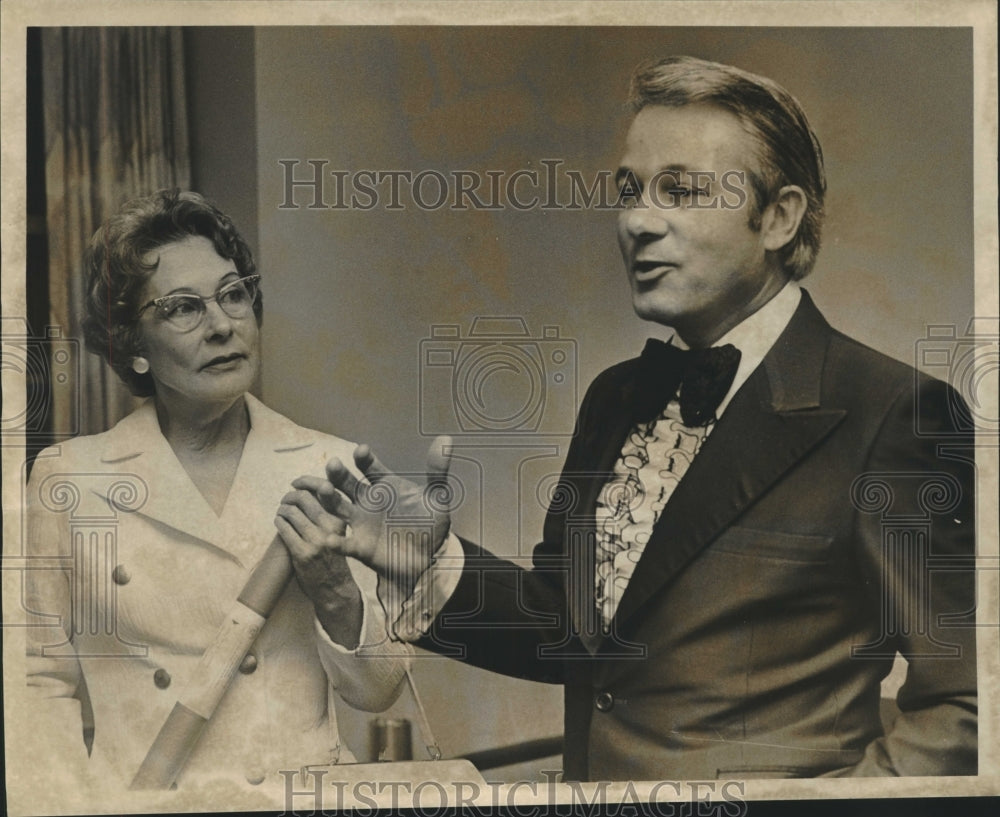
x=140 y=365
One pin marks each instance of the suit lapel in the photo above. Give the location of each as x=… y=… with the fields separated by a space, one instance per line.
x=600 y=446
x=773 y=421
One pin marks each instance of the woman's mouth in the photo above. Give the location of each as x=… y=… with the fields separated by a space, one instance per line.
x=223 y=362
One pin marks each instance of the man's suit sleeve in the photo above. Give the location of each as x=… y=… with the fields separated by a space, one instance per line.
x=929 y=609
x=504 y=618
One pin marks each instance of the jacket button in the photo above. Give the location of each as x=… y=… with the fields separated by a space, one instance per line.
x=604 y=701
x=161 y=678
x=248 y=664
x=120 y=575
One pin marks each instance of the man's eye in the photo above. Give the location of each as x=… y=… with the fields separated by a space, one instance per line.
x=629 y=190
x=628 y=197
x=682 y=193
x=680 y=190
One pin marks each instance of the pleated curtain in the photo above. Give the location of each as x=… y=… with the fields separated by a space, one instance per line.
x=115 y=127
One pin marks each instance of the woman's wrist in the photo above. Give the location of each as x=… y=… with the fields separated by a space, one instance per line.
x=340 y=611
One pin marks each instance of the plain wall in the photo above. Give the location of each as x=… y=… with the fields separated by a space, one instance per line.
x=351 y=296
x=222 y=109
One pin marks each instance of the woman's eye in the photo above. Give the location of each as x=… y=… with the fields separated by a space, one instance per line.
x=178 y=308
x=236 y=295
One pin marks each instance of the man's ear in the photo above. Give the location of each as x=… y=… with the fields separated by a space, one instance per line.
x=782 y=217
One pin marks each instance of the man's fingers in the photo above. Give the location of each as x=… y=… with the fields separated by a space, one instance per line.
x=329 y=497
x=342 y=479
x=338 y=505
x=370 y=465
x=439 y=459
x=311 y=483
x=438 y=492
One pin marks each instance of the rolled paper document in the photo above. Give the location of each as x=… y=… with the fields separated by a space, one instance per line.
x=220 y=662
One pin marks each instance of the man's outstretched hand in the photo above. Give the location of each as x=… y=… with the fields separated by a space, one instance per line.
x=395 y=525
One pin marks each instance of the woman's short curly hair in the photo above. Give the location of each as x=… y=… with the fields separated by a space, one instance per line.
x=117 y=267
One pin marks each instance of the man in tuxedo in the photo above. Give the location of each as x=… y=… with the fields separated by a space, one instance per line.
x=754 y=520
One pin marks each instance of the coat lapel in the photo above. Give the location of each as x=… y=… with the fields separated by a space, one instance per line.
x=271 y=460
x=136 y=446
x=773 y=421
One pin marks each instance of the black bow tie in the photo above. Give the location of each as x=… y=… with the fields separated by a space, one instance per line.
x=706 y=376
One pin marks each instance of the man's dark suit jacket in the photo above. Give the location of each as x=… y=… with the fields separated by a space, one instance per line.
x=826 y=524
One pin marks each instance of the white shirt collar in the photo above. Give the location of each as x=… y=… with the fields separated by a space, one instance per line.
x=755 y=336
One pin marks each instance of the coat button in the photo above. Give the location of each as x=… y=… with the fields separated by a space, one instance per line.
x=248 y=664
x=161 y=678
x=604 y=701
x=120 y=575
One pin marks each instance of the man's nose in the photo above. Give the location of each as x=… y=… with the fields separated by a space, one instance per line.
x=646 y=220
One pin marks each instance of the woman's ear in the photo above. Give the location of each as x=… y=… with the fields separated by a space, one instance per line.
x=782 y=217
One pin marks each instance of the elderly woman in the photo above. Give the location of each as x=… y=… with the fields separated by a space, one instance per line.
x=146 y=533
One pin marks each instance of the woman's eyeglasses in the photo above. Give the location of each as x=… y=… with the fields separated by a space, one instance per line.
x=185 y=312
